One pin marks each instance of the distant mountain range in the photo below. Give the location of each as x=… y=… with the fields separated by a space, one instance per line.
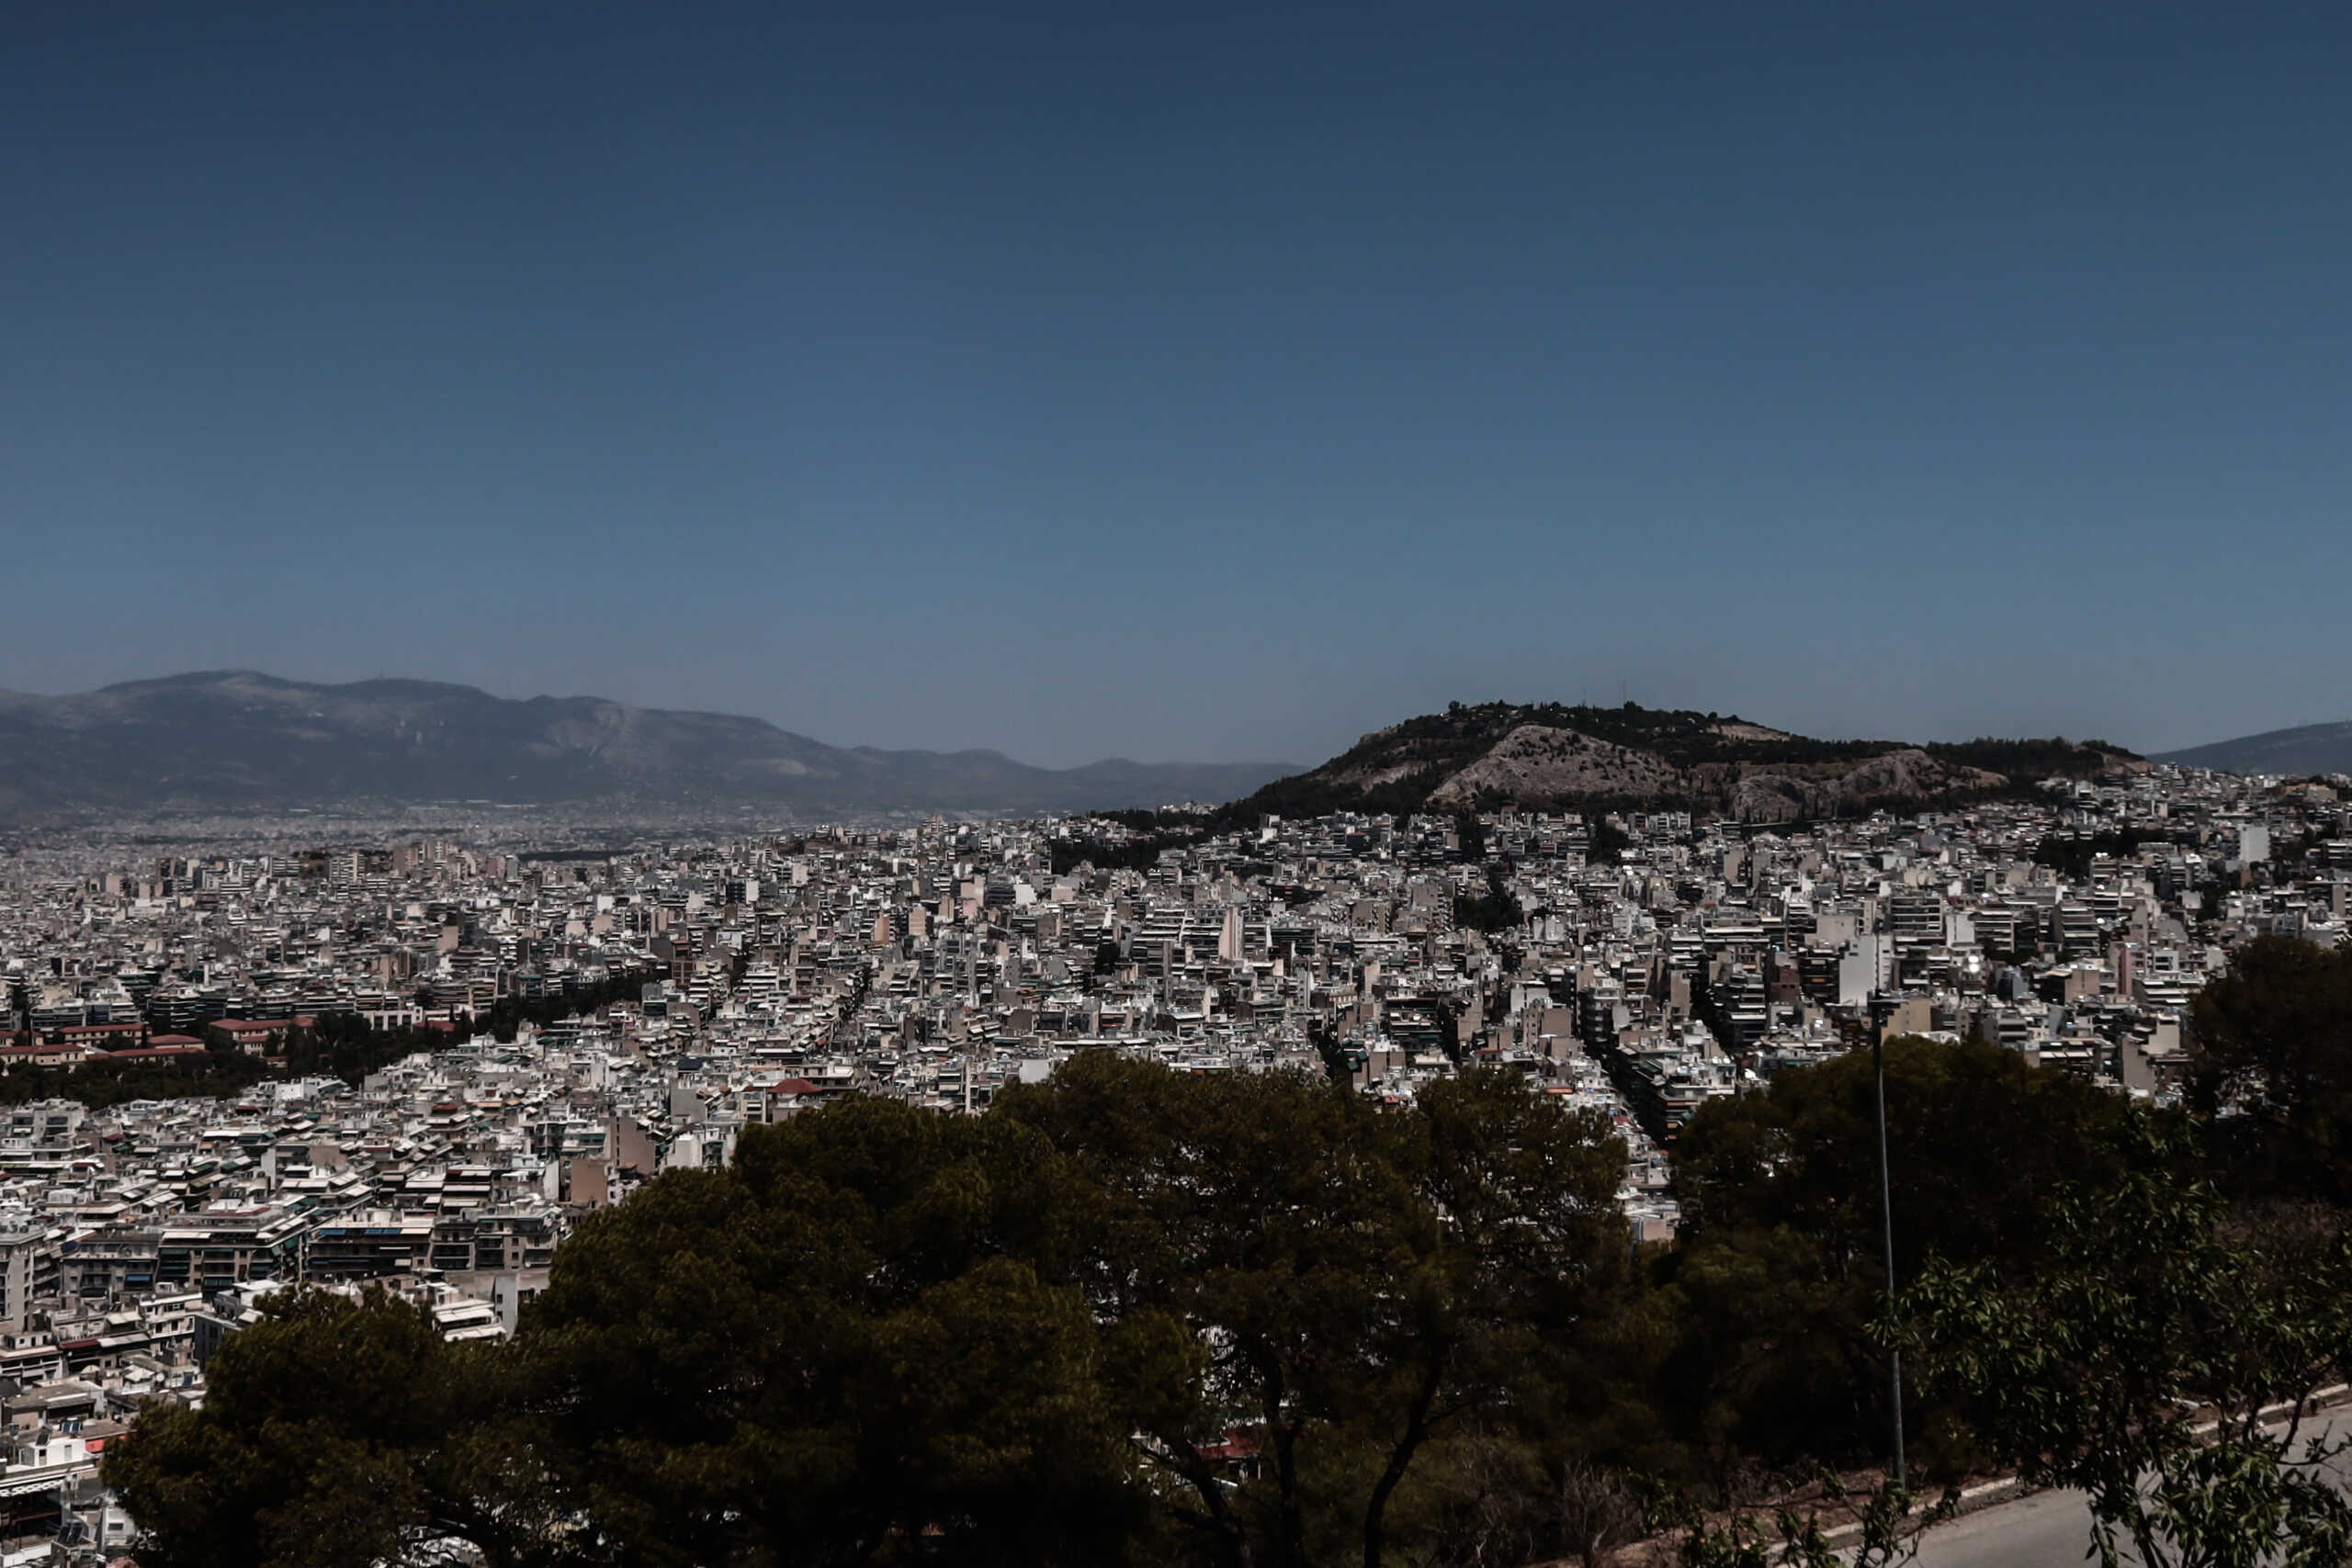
x=1546 y=756
x=241 y=742
x=237 y=740
x=2309 y=749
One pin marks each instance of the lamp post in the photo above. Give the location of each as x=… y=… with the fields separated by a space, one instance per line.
x=1886 y=1213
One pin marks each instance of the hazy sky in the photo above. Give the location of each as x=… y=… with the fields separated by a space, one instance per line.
x=1191 y=381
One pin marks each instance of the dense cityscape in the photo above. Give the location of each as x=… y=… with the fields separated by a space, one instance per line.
x=370 y=1053
x=1208 y=787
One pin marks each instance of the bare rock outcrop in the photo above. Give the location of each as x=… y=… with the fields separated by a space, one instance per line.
x=1535 y=763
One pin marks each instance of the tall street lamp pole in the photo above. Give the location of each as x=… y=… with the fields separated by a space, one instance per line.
x=1886 y=1212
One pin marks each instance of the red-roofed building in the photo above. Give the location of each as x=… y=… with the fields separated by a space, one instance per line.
x=68 y=1055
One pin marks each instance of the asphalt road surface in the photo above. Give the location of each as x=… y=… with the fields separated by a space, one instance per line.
x=2050 y=1529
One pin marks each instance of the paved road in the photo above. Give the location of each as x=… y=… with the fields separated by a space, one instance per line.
x=2051 y=1529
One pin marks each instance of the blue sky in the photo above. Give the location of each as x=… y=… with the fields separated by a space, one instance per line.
x=1196 y=381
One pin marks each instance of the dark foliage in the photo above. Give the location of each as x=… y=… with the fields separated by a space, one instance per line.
x=334 y=1044
x=507 y=1014
x=861 y=1343
x=1132 y=1316
x=1496 y=910
x=100 y=1083
x=2152 y=1306
x=1146 y=833
x=338 y=1434
x=1779 y=1272
x=342 y=1046
x=2030 y=761
x=1352 y=1287
x=1605 y=842
x=2271 y=1052
x=888 y=1336
x=2072 y=853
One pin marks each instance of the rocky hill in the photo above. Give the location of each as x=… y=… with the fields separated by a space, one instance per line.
x=237 y=740
x=1547 y=756
x=2307 y=749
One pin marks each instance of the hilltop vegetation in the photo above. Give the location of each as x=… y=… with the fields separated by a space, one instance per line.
x=1552 y=756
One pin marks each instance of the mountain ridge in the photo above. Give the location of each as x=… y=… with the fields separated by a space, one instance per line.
x=2303 y=749
x=246 y=740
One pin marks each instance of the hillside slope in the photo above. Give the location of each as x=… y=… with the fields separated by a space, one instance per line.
x=1548 y=756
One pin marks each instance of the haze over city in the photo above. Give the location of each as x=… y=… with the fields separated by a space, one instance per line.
x=1211 y=384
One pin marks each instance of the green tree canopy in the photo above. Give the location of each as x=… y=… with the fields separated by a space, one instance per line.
x=1779 y=1276
x=338 y=1434
x=859 y=1344
x=1137 y=1316
x=1975 y=1138
x=2155 y=1311
x=2271 y=1060
x=1338 y=1283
